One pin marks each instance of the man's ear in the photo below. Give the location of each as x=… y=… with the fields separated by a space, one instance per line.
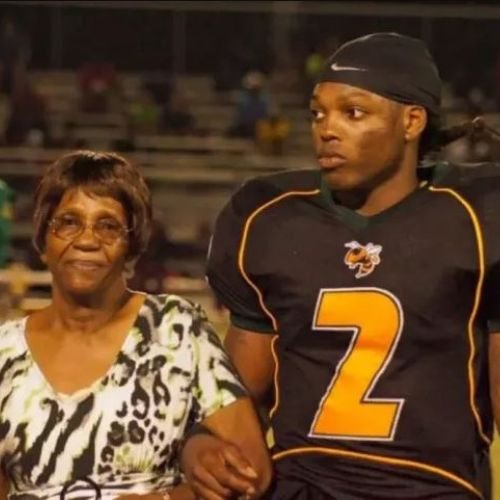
x=414 y=121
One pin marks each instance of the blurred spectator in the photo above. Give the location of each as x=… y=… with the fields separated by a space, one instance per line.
x=6 y=201
x=150 y=270
x=4 y=116
x=272 y=132
x=314 y=61
x=27 y=122
x=252 y=105
x=144 y=112
x=14 y=55
x=98 y=87
x=312 y=67
x=71 y=140
x=177 y=116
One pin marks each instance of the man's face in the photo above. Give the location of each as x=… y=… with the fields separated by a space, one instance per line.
x=358 y=136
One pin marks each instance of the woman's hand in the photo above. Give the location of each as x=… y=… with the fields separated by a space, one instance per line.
x=216 y=469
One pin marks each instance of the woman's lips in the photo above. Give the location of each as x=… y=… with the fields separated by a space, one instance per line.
x=86 y=265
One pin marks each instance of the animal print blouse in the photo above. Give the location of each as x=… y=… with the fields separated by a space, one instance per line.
x=121 y=434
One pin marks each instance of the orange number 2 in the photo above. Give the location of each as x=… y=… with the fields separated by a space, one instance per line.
x=346 y=410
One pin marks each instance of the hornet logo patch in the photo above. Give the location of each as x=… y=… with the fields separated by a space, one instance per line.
x=363 y=258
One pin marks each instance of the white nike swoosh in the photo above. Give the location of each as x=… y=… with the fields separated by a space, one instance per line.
x=336 y=67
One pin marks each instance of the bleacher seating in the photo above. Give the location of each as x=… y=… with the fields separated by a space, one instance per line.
x=191 y=176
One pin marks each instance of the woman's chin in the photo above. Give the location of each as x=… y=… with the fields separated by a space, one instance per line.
x=81 y=287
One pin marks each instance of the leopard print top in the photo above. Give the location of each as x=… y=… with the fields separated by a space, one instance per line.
x=120 y=435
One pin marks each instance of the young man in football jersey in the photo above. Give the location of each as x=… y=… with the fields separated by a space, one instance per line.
x=367 y=290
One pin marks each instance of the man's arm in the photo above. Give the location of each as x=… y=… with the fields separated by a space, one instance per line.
x=228 y=454
x=494 y=363
x=239 y=425
x=235 y=457
x=251 y=354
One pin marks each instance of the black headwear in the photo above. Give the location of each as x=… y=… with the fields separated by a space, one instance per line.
x=394 y=66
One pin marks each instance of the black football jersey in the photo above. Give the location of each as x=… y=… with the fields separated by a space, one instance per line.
x=381 y=329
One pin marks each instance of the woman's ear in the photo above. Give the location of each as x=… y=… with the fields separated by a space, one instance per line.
x=129 y=268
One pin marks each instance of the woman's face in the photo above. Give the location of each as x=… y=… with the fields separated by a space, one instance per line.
x=86 y=243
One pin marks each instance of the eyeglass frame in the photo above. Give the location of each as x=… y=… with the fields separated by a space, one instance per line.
x=124 y=230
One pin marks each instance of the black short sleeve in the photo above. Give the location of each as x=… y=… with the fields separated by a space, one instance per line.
x=224 y=272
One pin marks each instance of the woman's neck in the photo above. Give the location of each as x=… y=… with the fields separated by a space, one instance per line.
x=86 y=314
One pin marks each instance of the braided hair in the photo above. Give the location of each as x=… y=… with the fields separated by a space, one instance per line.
x=434 y=138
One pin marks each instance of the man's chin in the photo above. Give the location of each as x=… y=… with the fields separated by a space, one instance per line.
x=338 y=180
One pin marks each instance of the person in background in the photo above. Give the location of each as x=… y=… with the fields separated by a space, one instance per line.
x=6 y=213
x=144 y=112
x=6 y=220
x=271 y=133
x=252 y=105
x=15 y=53
x=99 y=87
x=27 y=123
x=177 y=116
x=150 y=270
x=100 y=389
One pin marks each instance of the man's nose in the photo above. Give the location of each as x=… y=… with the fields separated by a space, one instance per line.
x=330 y=128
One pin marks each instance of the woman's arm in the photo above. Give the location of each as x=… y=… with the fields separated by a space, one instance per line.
x=227 y=454
x=181 y=492
x=239 y=425
x=4 y=487
x=238 y=461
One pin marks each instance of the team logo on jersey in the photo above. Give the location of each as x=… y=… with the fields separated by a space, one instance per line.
x=362 y=258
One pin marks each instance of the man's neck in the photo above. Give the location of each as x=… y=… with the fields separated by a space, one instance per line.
x=385 y=194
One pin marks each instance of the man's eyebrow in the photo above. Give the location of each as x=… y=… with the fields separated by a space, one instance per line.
x=356 y=94
x=346 y=95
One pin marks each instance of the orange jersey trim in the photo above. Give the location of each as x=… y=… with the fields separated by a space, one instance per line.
x=241 y=253
x=276 y=374
x=477 y=301
x=399 y=462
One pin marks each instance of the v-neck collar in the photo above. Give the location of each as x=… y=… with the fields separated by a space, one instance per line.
x=359 y=222
x=128 y=343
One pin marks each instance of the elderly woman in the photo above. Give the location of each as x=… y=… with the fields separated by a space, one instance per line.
x=98 y=390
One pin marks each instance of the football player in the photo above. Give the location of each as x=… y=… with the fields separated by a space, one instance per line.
x=367 y=290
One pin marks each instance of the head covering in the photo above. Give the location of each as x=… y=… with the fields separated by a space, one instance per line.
x=394 y=66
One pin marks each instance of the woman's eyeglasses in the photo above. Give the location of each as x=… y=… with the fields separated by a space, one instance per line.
x=70 y=226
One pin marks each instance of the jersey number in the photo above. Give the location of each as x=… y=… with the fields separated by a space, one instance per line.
x=375 y=318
